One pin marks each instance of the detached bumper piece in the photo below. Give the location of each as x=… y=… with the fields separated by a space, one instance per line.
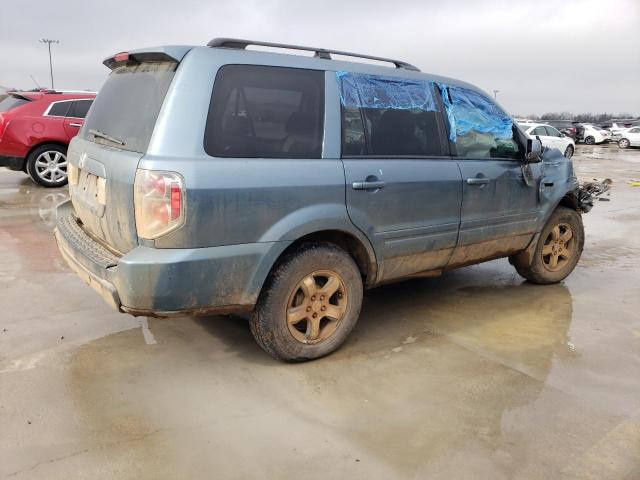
x=589 y=192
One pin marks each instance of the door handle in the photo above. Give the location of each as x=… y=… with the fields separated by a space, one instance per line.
x=75 y=124
x=477 y=181
x=371 y=185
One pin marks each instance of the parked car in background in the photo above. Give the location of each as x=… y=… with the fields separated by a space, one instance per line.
x=35 y=130
x=568 y=127
x=617 y=128
x=630 y=138
x=550 y=137
x=594 y=135
x=282 y=185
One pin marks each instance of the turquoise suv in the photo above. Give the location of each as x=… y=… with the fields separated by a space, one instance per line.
x=211 y=179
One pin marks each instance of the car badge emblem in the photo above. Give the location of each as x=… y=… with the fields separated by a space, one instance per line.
x=83 y=159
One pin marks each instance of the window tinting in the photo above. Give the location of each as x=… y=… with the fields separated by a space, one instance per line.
x=10 y=102
x=353 y=140
x=59 y=109
x=266 y=112
x=79 y=108
x=392 y=132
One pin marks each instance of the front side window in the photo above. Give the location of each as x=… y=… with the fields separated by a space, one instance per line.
x=266 y=112
x=59 y=109
x=478 y=127
x=539 y=131
x=79 y=108
x=388 y=117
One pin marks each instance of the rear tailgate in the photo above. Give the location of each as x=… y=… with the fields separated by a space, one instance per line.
x=115 y=136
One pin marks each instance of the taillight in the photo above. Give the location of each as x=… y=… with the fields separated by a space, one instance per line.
x=3 y=124
x=159 y=199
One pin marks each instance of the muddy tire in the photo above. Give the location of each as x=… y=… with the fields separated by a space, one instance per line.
x=309 y=304
x=568 y=153
x=558 y=249
x=47 y=165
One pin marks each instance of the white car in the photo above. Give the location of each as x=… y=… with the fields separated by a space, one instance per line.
x=630 y=138
x=550 y=137
x=593 y=135
x=617 y=129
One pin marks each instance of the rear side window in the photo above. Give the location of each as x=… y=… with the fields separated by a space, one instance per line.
x=128 y=105
x=10 y=102
x=59 y=109
x=389 y=117
x=552 y=132
x=79 y=108
x=266 y=112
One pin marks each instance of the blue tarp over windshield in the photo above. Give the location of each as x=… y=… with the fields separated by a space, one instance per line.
x=375 y=91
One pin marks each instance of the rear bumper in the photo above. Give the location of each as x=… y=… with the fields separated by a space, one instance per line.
x=12 y=163
x=167 y=282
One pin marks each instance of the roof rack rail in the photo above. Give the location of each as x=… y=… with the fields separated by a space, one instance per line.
x=319 y=52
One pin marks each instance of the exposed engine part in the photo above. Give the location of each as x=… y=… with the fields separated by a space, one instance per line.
x=588 y=192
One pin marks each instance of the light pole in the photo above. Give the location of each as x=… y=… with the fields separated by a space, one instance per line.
x=49 y=42
x=495 y=94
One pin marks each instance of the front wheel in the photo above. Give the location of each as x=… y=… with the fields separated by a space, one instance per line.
x=309 y=304
x=558 y=249
x=624 y=143
x=569 y=151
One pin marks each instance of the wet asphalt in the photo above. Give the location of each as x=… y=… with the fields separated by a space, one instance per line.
x=476 y=374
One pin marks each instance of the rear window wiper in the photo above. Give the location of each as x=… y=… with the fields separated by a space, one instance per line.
x=98 y=133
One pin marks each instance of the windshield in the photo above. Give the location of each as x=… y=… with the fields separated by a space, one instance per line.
x=128 y=105
x=12 y=102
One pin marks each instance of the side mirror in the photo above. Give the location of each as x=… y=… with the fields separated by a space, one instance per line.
x=563 y=134
x=534 y=150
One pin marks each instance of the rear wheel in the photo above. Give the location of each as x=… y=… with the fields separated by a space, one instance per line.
x=47 y=165
x=624 y=143
x=590 y=140
x=558 y=249
x=569 y=151
x=309 y=304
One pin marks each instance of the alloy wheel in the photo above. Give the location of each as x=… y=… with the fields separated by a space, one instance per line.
x=558 y=247
x=316 y=306
x=51 y=166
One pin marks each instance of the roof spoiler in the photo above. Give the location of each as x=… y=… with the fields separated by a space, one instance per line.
x=172 y=53
x=319 y=52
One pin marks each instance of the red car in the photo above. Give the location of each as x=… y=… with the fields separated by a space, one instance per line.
x=35 y=130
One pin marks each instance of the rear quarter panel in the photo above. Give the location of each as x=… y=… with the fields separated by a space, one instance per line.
x=242 y=200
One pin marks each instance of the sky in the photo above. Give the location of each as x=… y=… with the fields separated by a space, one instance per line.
x=543 y=56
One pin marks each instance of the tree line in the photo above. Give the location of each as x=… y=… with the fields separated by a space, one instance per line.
x=582 y=117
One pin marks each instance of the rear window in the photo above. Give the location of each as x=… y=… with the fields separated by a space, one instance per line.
x=12 y=102
x=128 y=105
x=266 y=112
